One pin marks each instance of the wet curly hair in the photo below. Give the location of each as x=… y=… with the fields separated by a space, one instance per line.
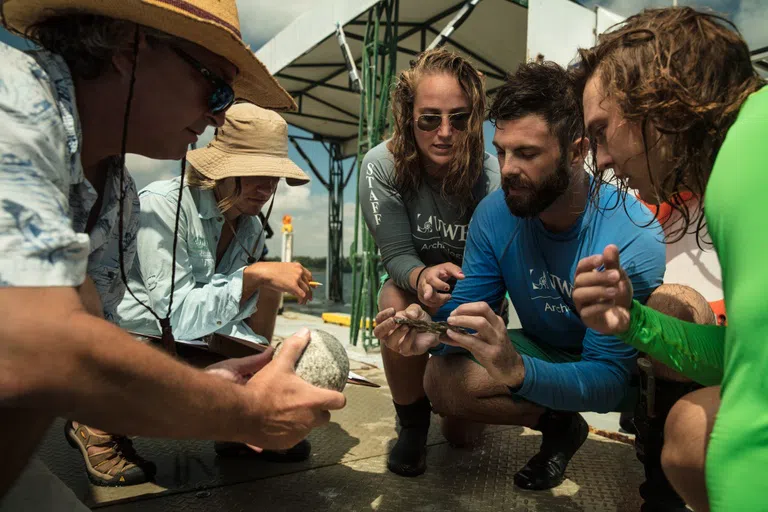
x=686 y=74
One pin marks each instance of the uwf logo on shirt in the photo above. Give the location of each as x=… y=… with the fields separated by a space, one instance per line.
x=439 y=235
x=551 y=289
x=434 y=224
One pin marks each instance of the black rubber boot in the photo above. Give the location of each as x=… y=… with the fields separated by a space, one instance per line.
x=656 y=491
x=409 y=455
x=563 y=433
x=627 y=423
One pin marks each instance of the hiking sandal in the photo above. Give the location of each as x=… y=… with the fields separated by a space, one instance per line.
x=116 y=464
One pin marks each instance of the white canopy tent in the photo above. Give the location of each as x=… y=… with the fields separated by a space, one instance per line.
x=307 y=60
x=760 y=61
x=496 y=35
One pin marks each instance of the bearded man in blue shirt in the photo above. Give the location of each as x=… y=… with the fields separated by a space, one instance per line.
x=526 y=240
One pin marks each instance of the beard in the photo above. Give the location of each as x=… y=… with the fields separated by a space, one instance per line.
x=536 y=198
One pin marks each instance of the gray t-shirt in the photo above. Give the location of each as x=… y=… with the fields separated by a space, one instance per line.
x=421 y=229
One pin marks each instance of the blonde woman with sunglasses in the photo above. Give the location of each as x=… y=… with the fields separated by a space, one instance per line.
x=418 y=191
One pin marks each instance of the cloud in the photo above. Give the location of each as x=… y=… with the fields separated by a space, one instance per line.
x=630 y=7
x=310 y=221
x=145 y=170
x=749 y=15
x=261 y=20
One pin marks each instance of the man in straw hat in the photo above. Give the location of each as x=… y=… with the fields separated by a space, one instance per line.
x=219 y=279
x=140 y=76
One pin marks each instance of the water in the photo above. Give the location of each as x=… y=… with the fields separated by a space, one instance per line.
x=318 y=306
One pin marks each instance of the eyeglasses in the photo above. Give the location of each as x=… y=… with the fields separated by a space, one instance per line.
x=431 y=122
x=223 y=95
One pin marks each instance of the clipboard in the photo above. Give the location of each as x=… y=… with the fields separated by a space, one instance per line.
x=352 y=377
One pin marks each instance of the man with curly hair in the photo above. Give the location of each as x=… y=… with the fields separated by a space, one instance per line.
x=675 y=107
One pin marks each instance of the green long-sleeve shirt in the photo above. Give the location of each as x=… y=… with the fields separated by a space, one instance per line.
x=693 y=350
x=737 y=456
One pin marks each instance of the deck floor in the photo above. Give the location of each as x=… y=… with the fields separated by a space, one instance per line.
x=347 y=470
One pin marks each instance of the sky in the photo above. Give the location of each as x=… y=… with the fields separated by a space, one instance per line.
x=262 y=19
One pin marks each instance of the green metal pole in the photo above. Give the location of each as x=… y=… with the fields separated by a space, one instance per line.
x=357 y=250
x=379 y=64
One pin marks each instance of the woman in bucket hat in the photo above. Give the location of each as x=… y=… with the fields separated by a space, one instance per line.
x=140 y=76
x=219 y=279
x=221 y=237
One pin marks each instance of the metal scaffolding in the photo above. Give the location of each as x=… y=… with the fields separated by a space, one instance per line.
x=335 y=185
x=379 y=63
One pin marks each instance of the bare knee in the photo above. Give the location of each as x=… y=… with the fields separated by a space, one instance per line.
x=688 y=427
x=684 y=431
x=392 y=296
x=444 y=384
x=686 y=436
x=682 y=302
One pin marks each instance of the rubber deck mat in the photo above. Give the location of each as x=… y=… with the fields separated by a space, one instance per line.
x=347 y=471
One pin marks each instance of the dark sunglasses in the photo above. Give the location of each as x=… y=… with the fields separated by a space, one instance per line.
x=223 y=95
x=431 y=122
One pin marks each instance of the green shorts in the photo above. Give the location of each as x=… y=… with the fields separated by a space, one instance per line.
x=382 y=280
x=525 y=346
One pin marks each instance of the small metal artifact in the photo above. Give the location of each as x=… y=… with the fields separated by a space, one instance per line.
x=433 y=327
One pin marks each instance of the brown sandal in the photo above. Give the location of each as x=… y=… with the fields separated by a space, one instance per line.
x=116 y=464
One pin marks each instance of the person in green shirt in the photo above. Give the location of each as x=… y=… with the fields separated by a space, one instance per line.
x=673 y=104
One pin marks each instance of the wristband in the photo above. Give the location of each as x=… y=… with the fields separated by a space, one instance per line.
x=416 y=288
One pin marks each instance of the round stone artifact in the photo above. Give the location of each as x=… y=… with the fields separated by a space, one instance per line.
x=324 y=363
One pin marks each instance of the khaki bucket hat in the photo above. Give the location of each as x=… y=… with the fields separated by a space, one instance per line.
x=252 y=142
x=212 y=24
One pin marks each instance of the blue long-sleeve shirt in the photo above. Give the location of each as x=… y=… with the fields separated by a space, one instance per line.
x=536 y=267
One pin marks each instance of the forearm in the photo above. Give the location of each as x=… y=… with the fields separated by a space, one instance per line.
x=89 y=296
x=386 y=217
x=252 y=282
x=414 y=274
x=580 y=386
x=263 y=321
x=694 y=350
x=154 y=395
x=403 y=270
x=97 y=374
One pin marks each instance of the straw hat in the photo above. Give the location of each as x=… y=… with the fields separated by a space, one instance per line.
x=212 y=24
x=252 y=142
